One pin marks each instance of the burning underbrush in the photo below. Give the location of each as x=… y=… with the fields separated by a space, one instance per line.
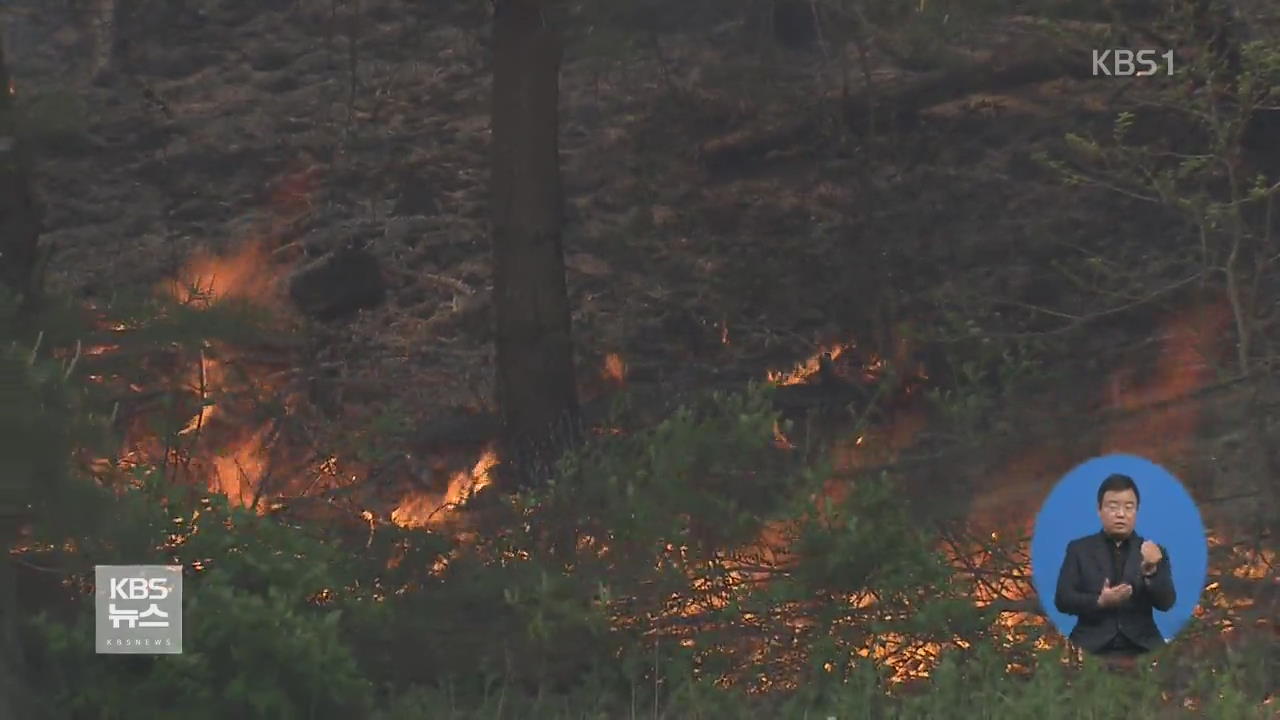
x=214 y=414
x=708 y=533
x=424 y=509
x=231 y=411
x=734 y=605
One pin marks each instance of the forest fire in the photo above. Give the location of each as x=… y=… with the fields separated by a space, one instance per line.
x=236 y=452
x=990 y=555
x=808 y=369
x=423 y=509
x=999 y=576
x=229 y=446
x=232 y=439
x=460 y=428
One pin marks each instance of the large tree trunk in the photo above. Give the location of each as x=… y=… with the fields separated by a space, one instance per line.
x=12 y=670
x=19 y=274
x=536 y=391
x=21 y=253
x=22 y=259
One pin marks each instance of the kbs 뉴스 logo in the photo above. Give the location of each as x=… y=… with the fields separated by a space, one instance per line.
x=138 y=609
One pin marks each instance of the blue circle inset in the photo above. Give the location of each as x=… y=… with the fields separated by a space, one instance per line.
x=1167 y=515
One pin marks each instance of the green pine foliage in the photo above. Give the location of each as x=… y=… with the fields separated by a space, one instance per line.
x=566 y=606
x=257 y=643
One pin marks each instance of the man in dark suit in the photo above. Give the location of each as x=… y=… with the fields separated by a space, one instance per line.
x=1112 y=580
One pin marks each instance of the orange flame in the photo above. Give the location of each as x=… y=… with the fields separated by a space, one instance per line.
x=463 y=485
x=236 y=457
x=780 y=439
x=239 y=470
x=244 y=274
x=225 y=447
x=615 y=369
x=247 y=273
x=807 y=369
x=421 y=509
x=1009 y=502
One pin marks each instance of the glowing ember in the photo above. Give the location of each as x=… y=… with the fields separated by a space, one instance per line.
x=615 y=369
x=878 y=444
x=1254 y=565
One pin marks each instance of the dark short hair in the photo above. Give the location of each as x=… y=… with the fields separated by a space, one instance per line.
x=1118 y=483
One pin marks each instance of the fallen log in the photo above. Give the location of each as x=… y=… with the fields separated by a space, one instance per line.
x=1035 y=57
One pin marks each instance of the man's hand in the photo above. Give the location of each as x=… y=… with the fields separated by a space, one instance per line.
x=1113 y=595
x=1151 y=557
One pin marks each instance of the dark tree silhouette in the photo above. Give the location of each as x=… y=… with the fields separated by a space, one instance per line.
x=20 y=213
x=537 y=395
x=1216 y=26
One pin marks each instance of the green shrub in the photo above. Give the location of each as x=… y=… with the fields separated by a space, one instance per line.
x=255 y=642
x=572 y=601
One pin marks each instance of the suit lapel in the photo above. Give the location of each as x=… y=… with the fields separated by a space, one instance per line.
x=1133 y=563
x=1102 y=557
